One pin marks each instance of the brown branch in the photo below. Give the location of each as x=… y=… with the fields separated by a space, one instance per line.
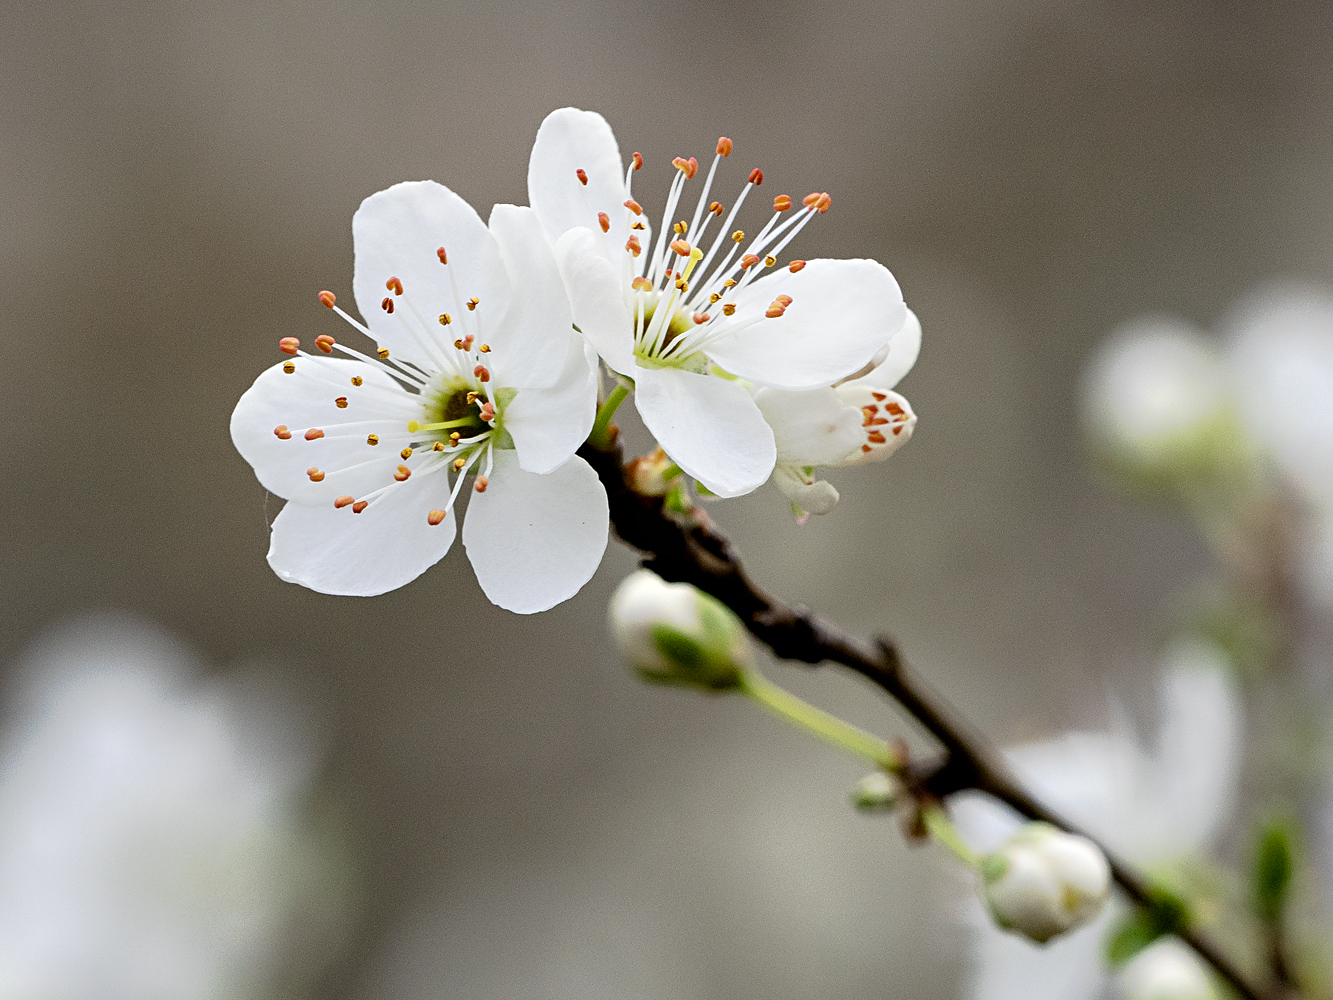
x=693 y=551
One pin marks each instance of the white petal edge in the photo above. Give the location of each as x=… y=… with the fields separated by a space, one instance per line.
x=597 y=298
x=570 y=140
x=811 y=426
x=548 y=425
x=709 y=426
x=841 y=314
x=387 y=545
x=900 y=355
x=534 y=541
x=396 y=233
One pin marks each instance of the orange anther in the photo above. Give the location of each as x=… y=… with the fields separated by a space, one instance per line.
x=436 y=517
x=634 y=206
x=315 y=475
x=314 y=434
x=775 y=310
x=895 y=409
x=876 y=437
x=341 y=402
x=795 y=266
x=394 y=285
x=282 y=433
x=472 y=303
x=387 y=305
x=604 y=221
x=748 y=261
x=289 y=367
x=716 y=208
x=681 y=247
x=403 y=474
x=724 y=146
x=481 y=484
x=693 y=168
x=289 y=345
x=824 y=203
x=359 y=506
x=638 y=160
x=487 y=412
x=641 y=284
x=879 y=396
x=700 y=318
x=784 y=299
x=681 y=164
x=467 y=342
x=328 y=298
x=729 y=309
x=444 y=257
x=866 y=448
x=325 y=343
x=632 y=245
x=481 y=373
x=781 y=203
x=582 y=175
x=810 y=199
x=756 y=176
x=897 y=430
x=341 y=502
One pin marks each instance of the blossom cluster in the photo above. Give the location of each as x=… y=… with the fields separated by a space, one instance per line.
x=747 y=365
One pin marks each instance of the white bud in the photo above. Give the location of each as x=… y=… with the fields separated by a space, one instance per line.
x=876 y=792
x=673 y=633
x=1044 y=882
x=1166 y=970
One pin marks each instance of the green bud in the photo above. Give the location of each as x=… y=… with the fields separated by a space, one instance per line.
x=674 y=633
x=876 y=792
x=1274 y=863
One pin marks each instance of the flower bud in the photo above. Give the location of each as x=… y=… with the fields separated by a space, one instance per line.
x=1044 y=882
x=652 y=475
x=1166 y=970
x=876 y=792
x=674 y=633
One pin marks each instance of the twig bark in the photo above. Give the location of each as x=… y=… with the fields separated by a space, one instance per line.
x=693 y=551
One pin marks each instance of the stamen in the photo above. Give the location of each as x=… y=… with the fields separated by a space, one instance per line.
x=444 y=257
x=738 y=236
x=341 y=402
x=439 y=445
x=394 y=285
x=315 y=475
x=459 y=463
x=445 y=319
x=700 y=318
x=357 y=380
x=314 y=434
x=748 y=261
x=756 y=176
x=485 y=348
x=481 y=484
x=471 y=398
x=387 y=305
x=876 y=437
x=406 y=453
x=288 y=367
x=638 y=161
x=372 y=439
x=825 y=203
x=472 y=303
x=795 y=266
x=341 y=502
x=359 y=506
x=641 y=284
x=632 y=245
x=681 y=247
x=289 y=345
x=781 y=203
x=784 y=299
x=729 y=309
x=716 y=208
x=775 y=310
x=403 y=474
x=770 y=260
x=488 y=411
x=282 y=433
x=582 y=175
x=383 y=353
x=328 y=298
x=724 y=146
x=436 y=517
x=634 y=206
x=604 y=221
x=481 y=373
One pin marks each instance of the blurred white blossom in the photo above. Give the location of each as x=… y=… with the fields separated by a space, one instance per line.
x=1044 y=882
x=1150 y=803
x=1165 y=970
x=152 y=834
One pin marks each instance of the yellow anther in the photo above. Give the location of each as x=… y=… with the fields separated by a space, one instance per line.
x=383 y=352
x=289 y=367
x=471 y=398
x=458 y=464
x=681 y=228
x=459 y=343
x=729 y=283
x=729 y=309
x=437 y=446
x=485 y=348
x=714 y=297
x=357 y=380
x=406 y=453
x=738 y=236
x=445 y=319
x=770 y=261
x=372 y=439
x=472 y=303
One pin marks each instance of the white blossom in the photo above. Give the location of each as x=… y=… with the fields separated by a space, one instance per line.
x=1043 y=882
x=689 y=318
x=1150 y=804
x=478 y=373
x=1166 y=970
x=153 y=842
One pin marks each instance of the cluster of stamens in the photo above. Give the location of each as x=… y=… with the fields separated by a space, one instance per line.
x=890 y=416
x=453 y=382
x=677 y=314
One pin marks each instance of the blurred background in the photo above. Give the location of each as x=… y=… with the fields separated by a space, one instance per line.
x=516 y=816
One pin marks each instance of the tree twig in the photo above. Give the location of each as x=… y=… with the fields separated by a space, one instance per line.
x=693 y=551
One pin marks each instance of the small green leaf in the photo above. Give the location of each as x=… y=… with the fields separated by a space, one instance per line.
x=1274 y=865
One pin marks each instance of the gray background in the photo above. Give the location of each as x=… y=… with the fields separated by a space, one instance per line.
x=176 y=183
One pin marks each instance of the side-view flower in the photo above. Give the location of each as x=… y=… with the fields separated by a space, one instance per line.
x=479 y=372
x=690 y=319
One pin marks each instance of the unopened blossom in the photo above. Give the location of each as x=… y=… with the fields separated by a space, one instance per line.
x=1166 y=970
x=858 y=421
x=478 y=375
x=1044 y=882
x=1150 y=803
x=695 y=316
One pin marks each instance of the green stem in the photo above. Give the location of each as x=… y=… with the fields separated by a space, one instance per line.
x=815 y=720
x=600 y=437
x=939 y=827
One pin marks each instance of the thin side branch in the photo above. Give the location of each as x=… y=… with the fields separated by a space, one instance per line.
x=696 y=553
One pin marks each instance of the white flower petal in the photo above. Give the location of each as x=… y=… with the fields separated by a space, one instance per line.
x=396 y=233
x=548 y=425
x=899 y=356
x=816 y=496
x=811 y=426
x=709 y=426
x=305 y=399
x=842 y=312
x=597 y=297
x=568 y=141
x=535 y=540
x=387 y=545
x=530 y=343
x=893 y=409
